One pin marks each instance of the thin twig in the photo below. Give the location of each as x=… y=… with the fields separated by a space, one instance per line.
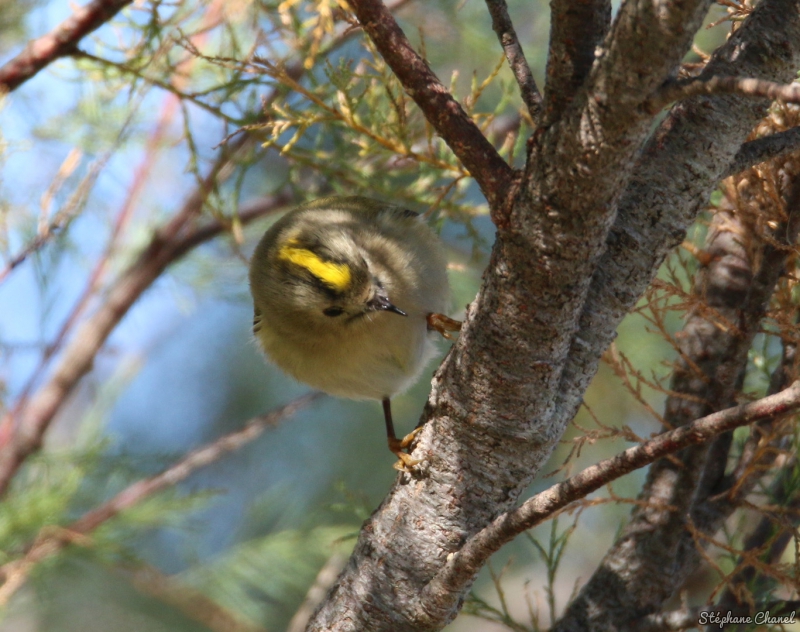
x=750 y=87
x=53 y=540
x=140 y=175
x=502 y=25
x=462 y=566
x=61 y=220
x=60 y=42
x=767 y=541
x=27 y=426
x=102 y=265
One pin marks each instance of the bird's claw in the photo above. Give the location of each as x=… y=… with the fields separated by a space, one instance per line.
x=443 y=324
x=397 y=446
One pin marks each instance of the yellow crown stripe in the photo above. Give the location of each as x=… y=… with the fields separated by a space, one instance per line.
x=336 y=275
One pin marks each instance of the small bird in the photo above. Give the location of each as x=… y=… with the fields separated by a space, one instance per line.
x=346 y=293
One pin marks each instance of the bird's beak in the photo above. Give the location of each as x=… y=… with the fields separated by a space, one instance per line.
x=381 y=302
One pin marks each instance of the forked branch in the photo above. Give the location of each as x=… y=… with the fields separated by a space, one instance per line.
x=576 y=30
x=462 y=566
x=167 y=245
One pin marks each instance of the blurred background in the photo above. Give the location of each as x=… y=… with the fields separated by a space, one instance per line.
x=100 y=152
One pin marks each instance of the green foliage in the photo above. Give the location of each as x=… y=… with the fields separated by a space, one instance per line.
x=150 y=105
x=355 y=126
x=41 y=498
x=266 y=579
x=56 y=487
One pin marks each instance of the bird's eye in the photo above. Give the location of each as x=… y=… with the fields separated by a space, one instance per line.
x=333 y=311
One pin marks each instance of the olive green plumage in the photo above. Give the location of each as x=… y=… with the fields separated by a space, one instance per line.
x=342 y=287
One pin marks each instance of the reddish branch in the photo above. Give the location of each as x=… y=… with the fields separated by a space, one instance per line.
x=14 y=573
x=60 y=42
x=448 y=118
x=463 y=565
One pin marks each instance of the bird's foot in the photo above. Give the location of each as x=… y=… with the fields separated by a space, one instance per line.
x=443 y=324
x=397 y=446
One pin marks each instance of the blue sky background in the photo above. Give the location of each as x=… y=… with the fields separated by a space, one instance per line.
x=181 y=369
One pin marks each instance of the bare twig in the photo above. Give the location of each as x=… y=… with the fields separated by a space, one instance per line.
x=462 y=566
x=749 y=87
x=62 y=218
x=15 y=573
x=101 y=267
x=729 y=297
x=443 y=112
x=502 y=25
x=60 y=42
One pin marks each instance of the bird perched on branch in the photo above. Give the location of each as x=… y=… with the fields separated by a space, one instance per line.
x=347 y=291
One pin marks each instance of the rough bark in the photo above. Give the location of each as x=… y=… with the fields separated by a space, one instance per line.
x=503 y=396
x=748 y=588
x=486 y=428
x=761 y=149
x=672 y=180
x=477 y=550
x=767 y=543
x=656 y=550
x=577 y=27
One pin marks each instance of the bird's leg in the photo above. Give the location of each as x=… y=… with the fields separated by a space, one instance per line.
x=406 y=463
x=443 y=324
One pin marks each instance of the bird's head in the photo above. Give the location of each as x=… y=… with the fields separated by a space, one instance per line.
x=324 y=279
